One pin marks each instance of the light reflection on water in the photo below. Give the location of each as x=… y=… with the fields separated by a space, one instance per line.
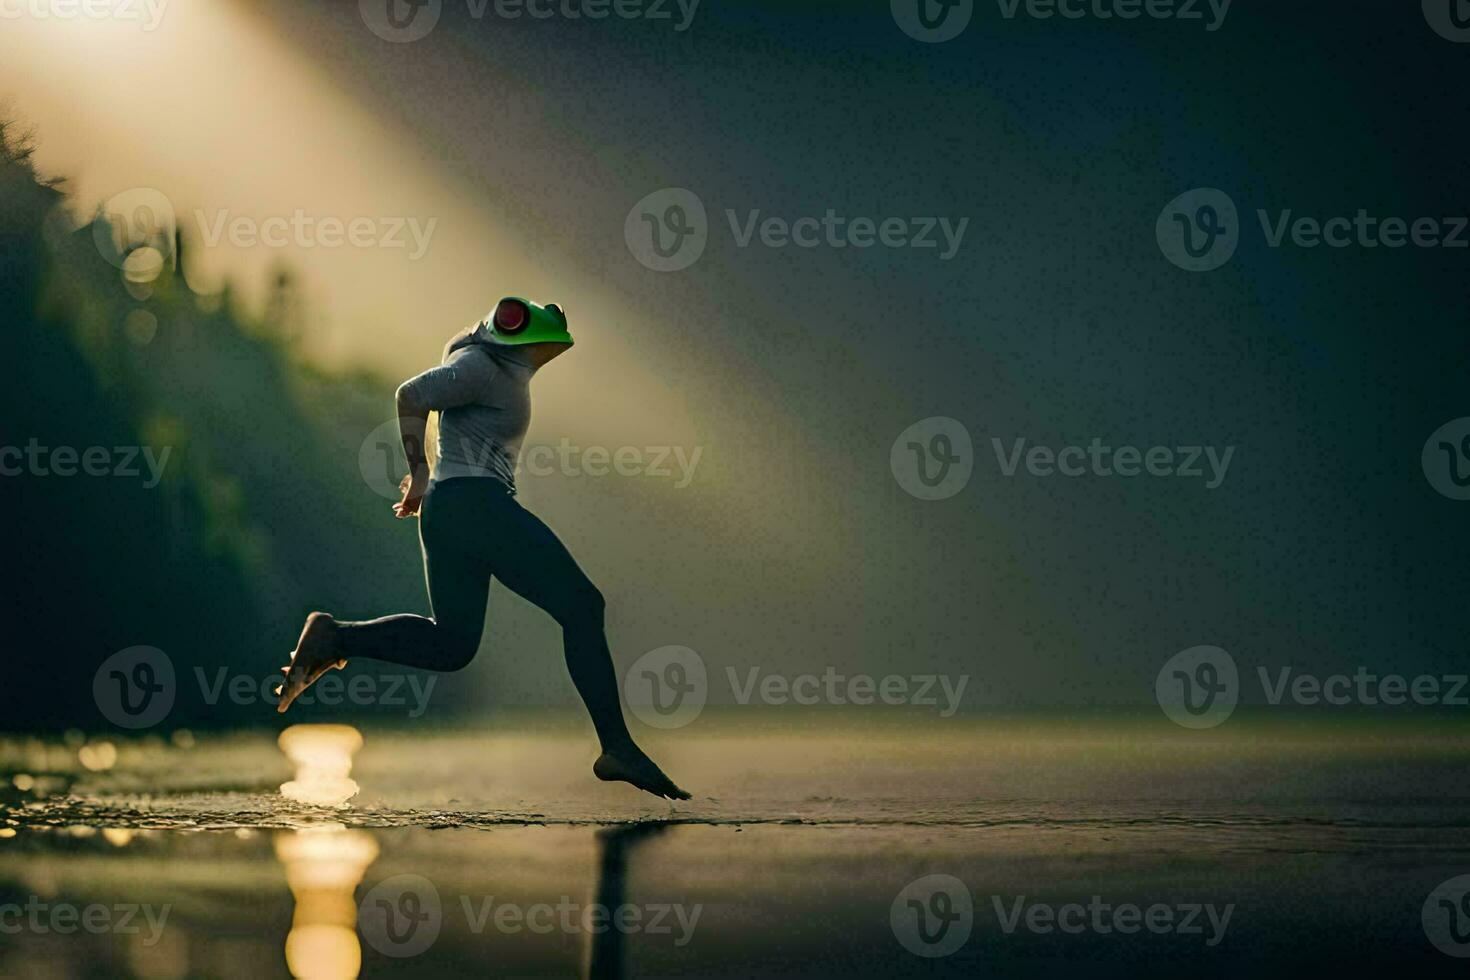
x=324 y=865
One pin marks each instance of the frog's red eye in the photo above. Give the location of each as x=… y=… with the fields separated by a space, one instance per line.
x=511 y=316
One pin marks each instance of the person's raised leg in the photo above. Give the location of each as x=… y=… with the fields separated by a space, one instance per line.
x=458 y=580
x=531 y=560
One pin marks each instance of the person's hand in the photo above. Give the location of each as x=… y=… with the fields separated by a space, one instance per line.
x=413 y=488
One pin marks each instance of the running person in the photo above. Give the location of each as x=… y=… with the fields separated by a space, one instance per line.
x=472 y=529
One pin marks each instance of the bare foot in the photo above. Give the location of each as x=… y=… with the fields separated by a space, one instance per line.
x=630 y=765
x=315 y=654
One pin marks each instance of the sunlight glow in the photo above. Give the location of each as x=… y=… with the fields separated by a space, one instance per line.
x=213 y=82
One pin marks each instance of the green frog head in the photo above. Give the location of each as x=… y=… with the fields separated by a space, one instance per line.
x=517 y=321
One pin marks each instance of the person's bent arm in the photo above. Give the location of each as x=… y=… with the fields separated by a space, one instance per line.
x=413 y=423
x=458 y=382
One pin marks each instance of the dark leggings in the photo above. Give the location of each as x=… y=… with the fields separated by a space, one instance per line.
x=471 y=529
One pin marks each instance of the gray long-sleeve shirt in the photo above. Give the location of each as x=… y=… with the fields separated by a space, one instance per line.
x=483 y=396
